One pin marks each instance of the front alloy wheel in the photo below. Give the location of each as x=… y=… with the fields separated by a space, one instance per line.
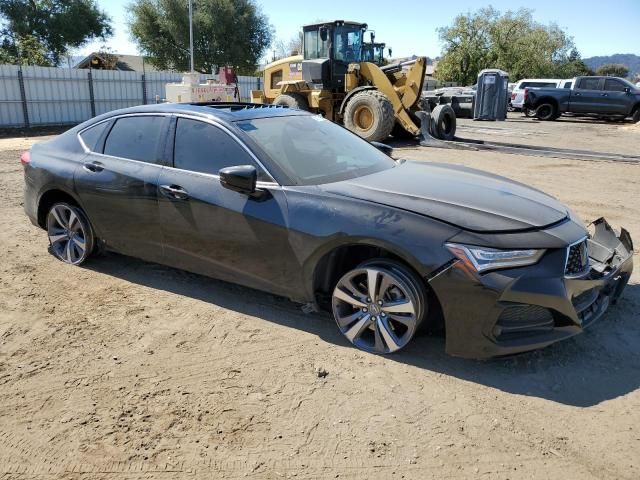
x=70 y=233
x=378 y=306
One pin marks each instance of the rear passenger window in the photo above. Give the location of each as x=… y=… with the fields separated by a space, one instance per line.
x=589 y=84
x=92 y=135
x=136 y=138
x=613 y=85
x=201 y=147
x=568 y=85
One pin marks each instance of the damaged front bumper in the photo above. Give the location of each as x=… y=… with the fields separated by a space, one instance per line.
x=520 y=309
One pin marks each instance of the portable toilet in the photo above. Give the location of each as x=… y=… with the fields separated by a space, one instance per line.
x=491 y=100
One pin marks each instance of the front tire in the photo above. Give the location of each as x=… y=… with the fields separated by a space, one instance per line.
x=636 y=115
x=369 y=114
x=379 y=306
x=71 y=237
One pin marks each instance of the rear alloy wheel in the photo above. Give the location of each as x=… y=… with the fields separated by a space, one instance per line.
x=369 y=114
x=546 y=111
x=70 y=233
x=379 y=306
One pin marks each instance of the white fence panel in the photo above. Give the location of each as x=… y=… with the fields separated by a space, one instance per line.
x=62 y=96
x=56 y=96
x=10 y=100
x=156 y=82
x=113 y=90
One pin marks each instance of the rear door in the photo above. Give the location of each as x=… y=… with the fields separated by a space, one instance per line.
x=214 y=231
x=586 y=96
x=118 y=184
x=614 y=98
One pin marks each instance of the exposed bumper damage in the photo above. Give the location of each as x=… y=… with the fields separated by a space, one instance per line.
x=515 y=310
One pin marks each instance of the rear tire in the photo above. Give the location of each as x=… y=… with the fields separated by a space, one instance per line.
x=369 y=114
x=71 y=236
x=292 y=100
x=546 y=111
x=443 y=122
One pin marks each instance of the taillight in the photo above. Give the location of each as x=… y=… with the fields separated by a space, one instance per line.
x=513 y=96
x=25 y=158
x=526 y=94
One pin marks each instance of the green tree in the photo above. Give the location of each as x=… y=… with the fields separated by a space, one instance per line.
x=226 y=32
x=41 y=32
x=613 y=69
x=573 y=66
x=512 y=41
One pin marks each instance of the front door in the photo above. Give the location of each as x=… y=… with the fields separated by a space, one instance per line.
x=118 y=185
x=614 y=98
x=214 y=231
x=586 y=97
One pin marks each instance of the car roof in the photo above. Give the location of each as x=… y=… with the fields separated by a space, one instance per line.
x=228 y=111
x=556 y=80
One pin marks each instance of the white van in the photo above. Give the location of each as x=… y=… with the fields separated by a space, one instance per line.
x=517 y=95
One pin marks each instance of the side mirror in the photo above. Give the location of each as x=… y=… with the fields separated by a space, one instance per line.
x=240 y=179
x=384 y=148
x=324 y=34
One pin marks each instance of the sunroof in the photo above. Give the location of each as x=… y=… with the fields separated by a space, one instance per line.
x=233 y=106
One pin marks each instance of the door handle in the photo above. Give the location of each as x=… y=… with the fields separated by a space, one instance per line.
x=577 y=94
x=93 y=167
x=604 y=94
x=174 y=191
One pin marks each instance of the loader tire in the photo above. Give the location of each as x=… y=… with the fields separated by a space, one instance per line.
x=370 y=115
x=292 y=100
x=443 y=122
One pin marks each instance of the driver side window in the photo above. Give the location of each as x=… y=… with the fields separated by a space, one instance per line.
x=203 y=148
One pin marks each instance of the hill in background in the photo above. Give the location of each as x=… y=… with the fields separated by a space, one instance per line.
x=629 y=59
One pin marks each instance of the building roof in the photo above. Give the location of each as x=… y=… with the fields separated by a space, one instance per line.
x=127 y=63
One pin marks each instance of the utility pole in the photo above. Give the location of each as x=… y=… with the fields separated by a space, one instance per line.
x=191 y=33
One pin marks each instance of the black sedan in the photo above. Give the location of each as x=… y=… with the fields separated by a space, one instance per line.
x=288 y=202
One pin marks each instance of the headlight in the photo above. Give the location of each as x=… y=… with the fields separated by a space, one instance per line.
x=483 y=259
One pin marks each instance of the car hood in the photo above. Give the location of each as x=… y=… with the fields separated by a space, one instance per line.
x=461 y=196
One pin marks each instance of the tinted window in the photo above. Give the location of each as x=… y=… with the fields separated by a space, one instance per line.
x=137 y=138
x=613 y=85
x=311 y=150
x=91 y=135
x=200 y=147
x=539 y=85
x=589 y=83
x=568 y=84
x=314 y=47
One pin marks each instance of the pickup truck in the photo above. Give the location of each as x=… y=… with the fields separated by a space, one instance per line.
x=606 y=96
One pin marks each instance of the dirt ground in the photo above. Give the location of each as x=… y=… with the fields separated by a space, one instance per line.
x=124 y=369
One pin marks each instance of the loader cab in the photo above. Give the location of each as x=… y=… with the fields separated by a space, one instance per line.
x=329 y=48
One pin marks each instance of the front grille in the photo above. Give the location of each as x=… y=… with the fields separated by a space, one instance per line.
x=523 y=320
x=577 y=260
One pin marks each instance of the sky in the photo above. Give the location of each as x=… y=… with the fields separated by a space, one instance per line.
x=597 y=28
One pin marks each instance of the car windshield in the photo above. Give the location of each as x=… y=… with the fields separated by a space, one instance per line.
x=311 y=150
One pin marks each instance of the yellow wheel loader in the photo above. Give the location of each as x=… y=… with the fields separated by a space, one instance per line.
x=332 y=78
